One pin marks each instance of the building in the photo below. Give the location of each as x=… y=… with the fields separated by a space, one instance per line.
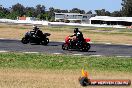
x=107 y=20
x=26 y=18
x=72 y=17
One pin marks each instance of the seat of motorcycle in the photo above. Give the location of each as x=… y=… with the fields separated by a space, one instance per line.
x=47 y=34
x=31 y=31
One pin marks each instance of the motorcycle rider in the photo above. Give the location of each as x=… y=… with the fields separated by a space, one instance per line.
x=38 y=33
x=79 y=36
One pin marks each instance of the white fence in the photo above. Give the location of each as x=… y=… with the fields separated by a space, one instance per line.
x=56 y=23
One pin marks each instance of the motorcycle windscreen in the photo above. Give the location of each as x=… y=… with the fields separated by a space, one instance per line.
x=66 y=39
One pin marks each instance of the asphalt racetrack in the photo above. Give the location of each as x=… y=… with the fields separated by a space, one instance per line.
x=55 y=48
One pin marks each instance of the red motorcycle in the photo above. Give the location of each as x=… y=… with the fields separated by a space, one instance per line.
x=71 y=44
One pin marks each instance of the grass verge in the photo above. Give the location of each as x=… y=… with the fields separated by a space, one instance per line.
x=64 y=62
x=18 y=70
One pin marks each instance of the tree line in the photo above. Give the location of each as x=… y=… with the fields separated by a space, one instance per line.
x=40 y=12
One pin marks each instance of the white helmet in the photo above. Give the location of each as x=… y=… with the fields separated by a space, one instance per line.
x=34 y=26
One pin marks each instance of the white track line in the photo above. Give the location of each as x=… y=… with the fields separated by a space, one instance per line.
x=57 y=53
x=62 y=41
x=127 y=44
x=96 y=55
x=2 y=38
x=8 y=39
x=30 y=52
x=3 y=51
x=123 y=56
x=77 y=54
x=91 y=42
x=108 y=43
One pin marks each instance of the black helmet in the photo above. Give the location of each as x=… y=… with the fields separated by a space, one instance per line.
x=76 y=30
x=35 y=27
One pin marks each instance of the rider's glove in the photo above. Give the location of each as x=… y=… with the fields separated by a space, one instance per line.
x=33 y=35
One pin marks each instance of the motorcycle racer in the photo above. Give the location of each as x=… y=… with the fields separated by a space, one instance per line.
x=79 y=36
x=38 y=33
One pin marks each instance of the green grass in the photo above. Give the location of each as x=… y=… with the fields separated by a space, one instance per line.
x=64 y=62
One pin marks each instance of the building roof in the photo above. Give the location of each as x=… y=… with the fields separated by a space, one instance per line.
x=72 y=14
x=108 y=18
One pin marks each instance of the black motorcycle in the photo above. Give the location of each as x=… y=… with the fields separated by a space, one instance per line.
x=30 y=37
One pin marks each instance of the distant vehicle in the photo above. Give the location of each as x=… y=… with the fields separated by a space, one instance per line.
x=69 y=44
x=30 y=37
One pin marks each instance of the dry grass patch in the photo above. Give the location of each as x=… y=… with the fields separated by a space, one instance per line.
x=18 y=31
x=59 y=33
x=113 y=38
x=20 y=78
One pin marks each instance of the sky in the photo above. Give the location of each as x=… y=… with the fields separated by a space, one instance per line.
x=109 y=5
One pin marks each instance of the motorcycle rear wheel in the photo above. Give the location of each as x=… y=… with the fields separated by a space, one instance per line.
x=86 y=47
x=24 y=40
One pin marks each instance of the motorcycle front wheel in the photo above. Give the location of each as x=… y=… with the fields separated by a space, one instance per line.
x=45 y=42
x=65 y=46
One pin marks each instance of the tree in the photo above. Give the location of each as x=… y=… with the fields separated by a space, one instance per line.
x=82 y=12
x=116 y=14
x=57 y=10
x=76 y=10
x=47 y=16
x=107 y=13
x=60 y=11
x=127 y=8
x=64 y=11
x=13 y=15
x=2 y=15
x=40 y=9
x=18 y=9
x=30 y=11
x=102 y=12
x=89 y=12
x=3 y=12
x=51 y=14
